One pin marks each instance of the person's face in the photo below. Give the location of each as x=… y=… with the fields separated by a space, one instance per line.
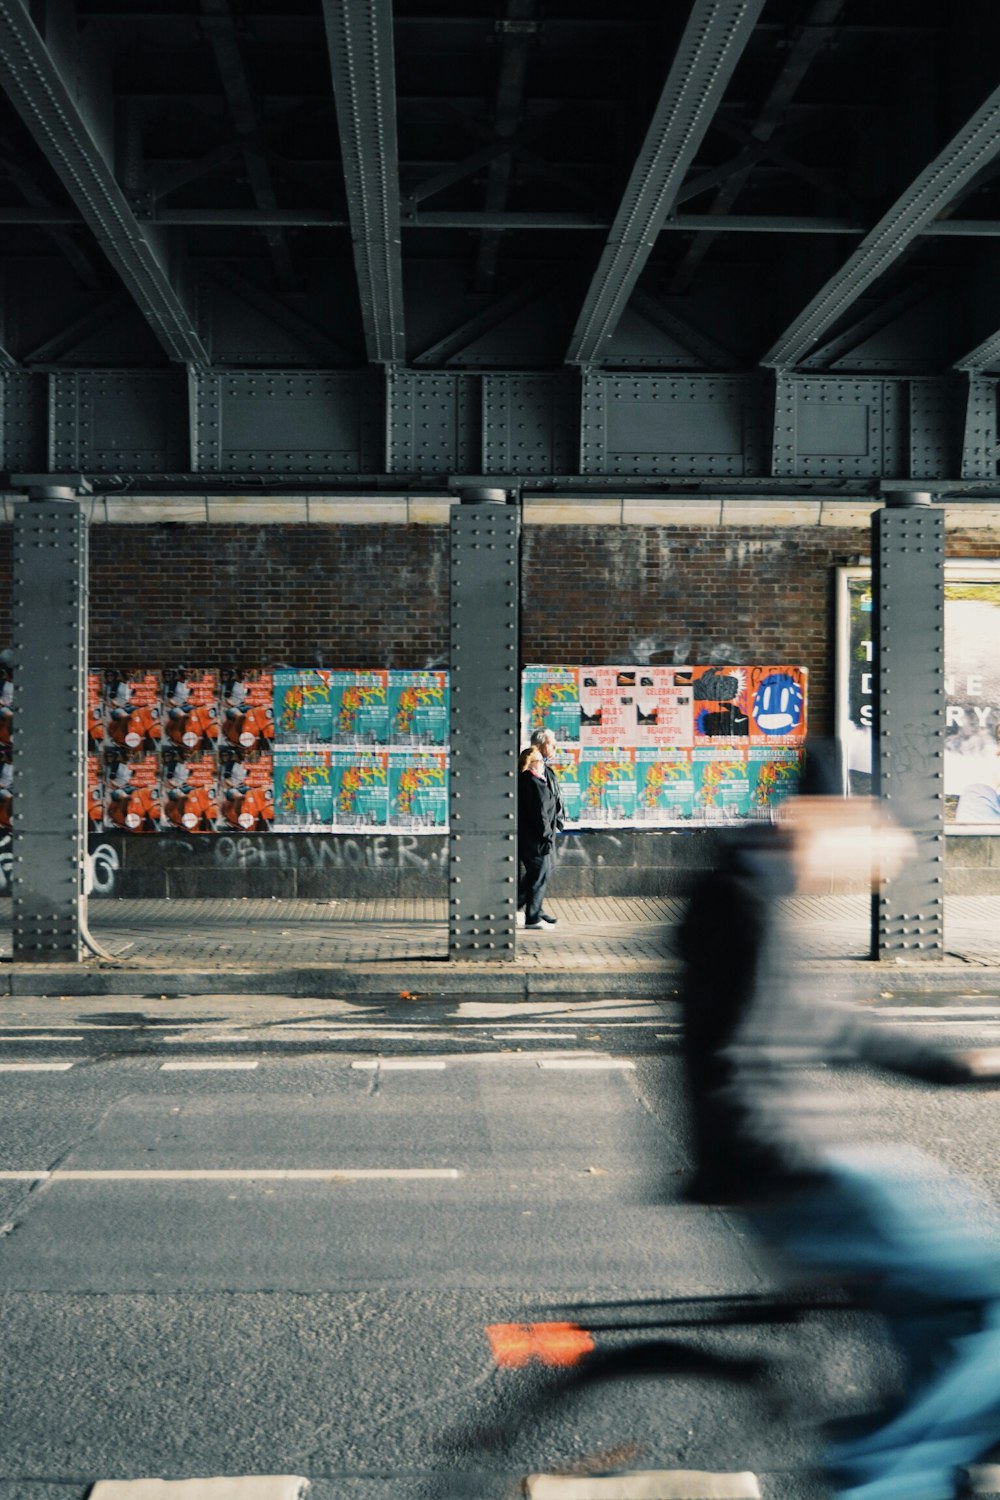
x=548 y=745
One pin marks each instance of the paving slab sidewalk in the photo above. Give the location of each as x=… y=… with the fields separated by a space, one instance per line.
x=610 y=946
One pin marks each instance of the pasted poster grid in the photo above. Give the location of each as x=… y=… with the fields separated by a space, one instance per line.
x=182 y=749
x=971 y=688
x=665 y=745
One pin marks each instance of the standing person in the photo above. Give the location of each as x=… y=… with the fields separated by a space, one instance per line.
x=537 y=805
x=545 y=741
x=768 y=1142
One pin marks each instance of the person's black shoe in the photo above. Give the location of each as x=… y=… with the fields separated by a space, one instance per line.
x=543 y=916
x=538 y=926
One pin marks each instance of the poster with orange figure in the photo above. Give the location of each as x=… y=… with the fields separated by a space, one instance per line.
x=303 y=789
x=95 y=712
x=418 y=791
x=360 y=779
x=303 y=707
x=566 y=764
x=246 y=792
x=246 y=712
x=132 y=799
x=190 y=791
x=95 y=793
x=190 y=712
x=360 y=708
x=773 y=775
x=132 y=722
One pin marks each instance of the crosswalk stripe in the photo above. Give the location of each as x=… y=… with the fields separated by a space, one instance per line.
x=575 y=1064
x=539 y=1036
x=401 y=1064
x=35 y=1067
x=245 y=1487
x=210 y=1065
x=651 y=1484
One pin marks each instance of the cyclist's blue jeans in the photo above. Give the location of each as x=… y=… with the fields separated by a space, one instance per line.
x=929 y=1253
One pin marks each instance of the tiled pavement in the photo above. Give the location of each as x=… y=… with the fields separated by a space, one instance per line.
x=612 y=931
x=611 y=940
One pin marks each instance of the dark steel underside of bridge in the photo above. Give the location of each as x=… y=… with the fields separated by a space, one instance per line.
x=737 y=246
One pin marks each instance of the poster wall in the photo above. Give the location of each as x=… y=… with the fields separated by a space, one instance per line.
x=971 y=688
x=661 y=746
x=296 y=750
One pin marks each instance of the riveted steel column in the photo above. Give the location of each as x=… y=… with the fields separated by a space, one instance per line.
x=908 y=577
x=50 y=654
x=482 y=852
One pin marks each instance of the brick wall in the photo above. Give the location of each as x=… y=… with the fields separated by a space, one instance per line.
x=346 y=596
x=688 y=594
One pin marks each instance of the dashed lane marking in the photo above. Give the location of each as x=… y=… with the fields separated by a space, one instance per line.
x=245 y=1487
x=534 y=1036
x=35 y=1067
x=41 y=1036
x=591 y=1064
x=401 y=1064
x=650 y=1484
x=235 y=1174
x=210 y=1065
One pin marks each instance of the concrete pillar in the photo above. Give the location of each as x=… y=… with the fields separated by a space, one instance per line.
x=908 y=752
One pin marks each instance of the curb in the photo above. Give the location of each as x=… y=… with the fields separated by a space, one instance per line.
x=448 y=980
x=652 y=1484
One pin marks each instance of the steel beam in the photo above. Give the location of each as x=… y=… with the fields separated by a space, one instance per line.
x=50 y=665
x=482 y=851
x=979 y=441
x=909 y=721
x=712 y=44
x=798 y=57
x=46 y=104
x=359 y=37
x=965 y=155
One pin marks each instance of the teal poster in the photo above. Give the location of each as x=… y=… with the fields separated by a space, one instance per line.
x=550 y=699
x=303 y=789
x=303 y=707
x=359 y=708
x=418 y=791
x=360 y=780
x=773 y=775
x=664 y=785
x=607 y=779
x=566 y=764
x=418 y=708
x=721 y=787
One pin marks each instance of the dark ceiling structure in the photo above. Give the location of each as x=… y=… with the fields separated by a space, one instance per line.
x=564 y=241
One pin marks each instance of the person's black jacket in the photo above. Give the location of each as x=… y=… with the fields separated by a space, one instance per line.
x=537 y=808
x=752 y=1027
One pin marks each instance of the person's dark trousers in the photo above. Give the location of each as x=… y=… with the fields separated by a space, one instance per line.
x=532 y=886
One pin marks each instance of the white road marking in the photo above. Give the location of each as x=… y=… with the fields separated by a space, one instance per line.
x=35 y=1067
x=402 y=1064
x=243 y=1487
x=542 y=1036
x=570 y=1064
x=210 y=1065
x=651 y=1484
x=235 y=1174
x=41 y=1036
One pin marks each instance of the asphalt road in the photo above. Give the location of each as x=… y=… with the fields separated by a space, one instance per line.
x=290 y=1265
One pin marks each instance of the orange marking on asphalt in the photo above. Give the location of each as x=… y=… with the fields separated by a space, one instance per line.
x=516 y=1344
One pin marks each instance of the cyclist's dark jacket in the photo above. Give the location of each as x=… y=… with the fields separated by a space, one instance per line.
x=752 y=1025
